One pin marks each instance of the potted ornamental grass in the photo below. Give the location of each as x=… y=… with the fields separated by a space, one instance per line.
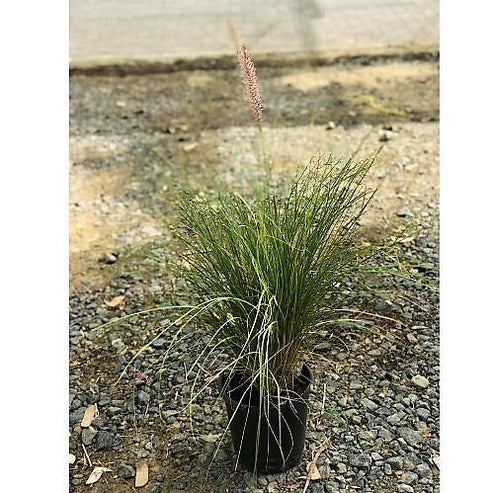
x=265 y=267
x=268 y=265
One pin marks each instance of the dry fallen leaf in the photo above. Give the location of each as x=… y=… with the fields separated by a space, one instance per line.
x=89 y=415
x=141 y=474
x=97 y=472
x=436 y=460
x=117 y=301
x=71 y=458
x=313 y=472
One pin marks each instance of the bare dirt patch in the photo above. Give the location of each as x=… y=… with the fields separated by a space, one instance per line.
x=372 y=76
x=406 y=170
x=99 y=217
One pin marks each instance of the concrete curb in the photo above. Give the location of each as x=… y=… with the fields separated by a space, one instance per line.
x=228 y=62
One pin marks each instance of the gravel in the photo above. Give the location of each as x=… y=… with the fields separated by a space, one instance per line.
x=361 y=461
x=383 y=426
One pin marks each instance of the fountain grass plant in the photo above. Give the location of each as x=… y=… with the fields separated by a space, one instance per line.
x=274 y=261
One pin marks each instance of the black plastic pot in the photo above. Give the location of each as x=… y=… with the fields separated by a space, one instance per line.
x=268 y=437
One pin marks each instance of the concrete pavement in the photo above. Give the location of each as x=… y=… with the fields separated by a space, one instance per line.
x=103 y=31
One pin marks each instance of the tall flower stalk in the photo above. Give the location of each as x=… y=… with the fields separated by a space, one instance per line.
x=251 y=87
x=253 y=97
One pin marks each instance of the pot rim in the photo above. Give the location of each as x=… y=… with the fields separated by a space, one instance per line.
x=306 y=372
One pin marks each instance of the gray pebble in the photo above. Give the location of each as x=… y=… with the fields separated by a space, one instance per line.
x=403 y=212
x=143 y=397
x=76 y=416
x=355 y=385
x=423 y=471
x=385 y=435
x=395 y=463
x=423 y=413
x=405 y=488
x=158 y=343
x=409 y=477
x=367 y=436
x=361 y=460
x=412 y=437
x=104 y=440
x=125 y=471
x=420 y=381
x=88 y=435
x=395 y=419
x=369 y=404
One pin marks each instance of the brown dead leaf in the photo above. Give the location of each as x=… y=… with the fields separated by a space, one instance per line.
x=96 y=474
x=117 y=301
x=141 y=474
x=313 y=472
x=89 y=415
x=71 y=458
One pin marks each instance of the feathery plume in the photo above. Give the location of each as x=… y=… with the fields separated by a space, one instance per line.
x=250 y=83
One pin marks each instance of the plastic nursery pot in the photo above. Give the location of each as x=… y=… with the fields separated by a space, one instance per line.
x=268 y=437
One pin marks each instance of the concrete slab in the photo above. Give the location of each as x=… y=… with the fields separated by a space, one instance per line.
x=138 y=30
